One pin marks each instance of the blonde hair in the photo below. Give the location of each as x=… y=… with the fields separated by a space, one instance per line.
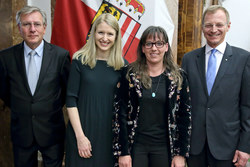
x=140 y=65
x=87 y=53
x=214 y=8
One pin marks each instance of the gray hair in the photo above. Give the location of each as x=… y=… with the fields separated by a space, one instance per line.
x=30 y=9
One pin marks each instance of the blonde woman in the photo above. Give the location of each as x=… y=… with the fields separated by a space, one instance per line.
x=92 y=84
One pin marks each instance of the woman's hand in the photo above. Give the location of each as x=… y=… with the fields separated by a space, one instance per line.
x=125 y=161
x=178 y=161
x=84 y=146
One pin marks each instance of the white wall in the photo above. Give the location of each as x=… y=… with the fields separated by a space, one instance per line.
x=45 y=5
x=239 y=11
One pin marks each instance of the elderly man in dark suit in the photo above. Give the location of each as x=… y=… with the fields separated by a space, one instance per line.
x=33 y=78
x=219 y=78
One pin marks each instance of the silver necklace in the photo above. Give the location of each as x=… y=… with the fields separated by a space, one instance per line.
x=153 y=93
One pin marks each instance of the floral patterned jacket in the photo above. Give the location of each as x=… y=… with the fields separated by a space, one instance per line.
x=127 y=111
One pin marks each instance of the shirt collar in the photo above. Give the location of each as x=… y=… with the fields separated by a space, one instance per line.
x=39 y=49
x=221 y=48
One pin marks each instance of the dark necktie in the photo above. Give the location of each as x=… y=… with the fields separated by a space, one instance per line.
x=211 y=70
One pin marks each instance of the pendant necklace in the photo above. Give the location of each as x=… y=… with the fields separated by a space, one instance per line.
x=153 y=93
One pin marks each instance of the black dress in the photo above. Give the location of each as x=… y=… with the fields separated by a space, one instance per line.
x=92 y=92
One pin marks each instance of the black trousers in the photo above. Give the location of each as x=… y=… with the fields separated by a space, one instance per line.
x=144 y=155
x=27 y=156
x=205 y=159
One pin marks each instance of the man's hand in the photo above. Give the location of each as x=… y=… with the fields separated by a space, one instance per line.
x=240 y=158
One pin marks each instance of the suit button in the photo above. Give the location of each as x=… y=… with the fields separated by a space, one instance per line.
x=33 y=116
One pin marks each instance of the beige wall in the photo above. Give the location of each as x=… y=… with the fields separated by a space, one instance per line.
x=173 y=10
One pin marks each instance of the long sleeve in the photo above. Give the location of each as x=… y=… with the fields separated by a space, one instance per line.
x=65 y=75
x=184 y=120
x=244 y=144
x=121 y=110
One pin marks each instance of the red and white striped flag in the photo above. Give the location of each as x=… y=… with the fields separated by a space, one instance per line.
x=73 y=20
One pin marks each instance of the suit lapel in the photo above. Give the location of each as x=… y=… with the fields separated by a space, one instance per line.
x=200 y=62
x=47 y=52
x=225 y=63
x=20 y=62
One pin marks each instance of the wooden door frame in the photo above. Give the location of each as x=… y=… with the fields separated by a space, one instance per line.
x=189 y=26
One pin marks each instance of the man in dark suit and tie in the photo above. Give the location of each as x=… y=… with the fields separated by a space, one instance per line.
x=33 y=78
x=219 y=78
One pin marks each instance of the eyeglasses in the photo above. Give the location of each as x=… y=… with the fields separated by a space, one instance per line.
x=158 y=44
x=29 y=24
x=210 y=26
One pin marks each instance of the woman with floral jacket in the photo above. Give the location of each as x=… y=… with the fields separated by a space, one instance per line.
x=152 y=122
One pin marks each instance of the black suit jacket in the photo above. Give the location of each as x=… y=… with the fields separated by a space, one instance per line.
x=223 y=118
x=37 y=117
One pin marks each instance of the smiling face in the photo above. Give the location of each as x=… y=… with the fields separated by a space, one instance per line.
x=32 y=29
x=155 y=54
x=105 y=37
x=215 y=28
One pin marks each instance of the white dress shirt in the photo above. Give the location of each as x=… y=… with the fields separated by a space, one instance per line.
x=219 y=54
